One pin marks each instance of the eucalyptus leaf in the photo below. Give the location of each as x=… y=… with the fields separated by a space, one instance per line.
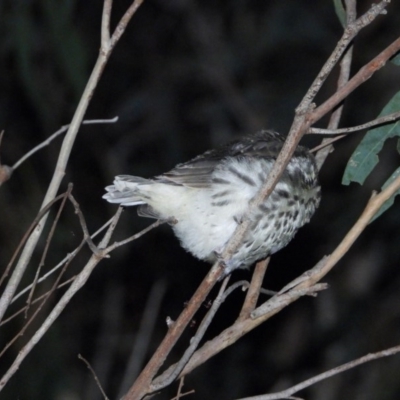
x=340 y=12
x=365 y=156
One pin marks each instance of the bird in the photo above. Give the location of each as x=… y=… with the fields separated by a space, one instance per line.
x=206 y=198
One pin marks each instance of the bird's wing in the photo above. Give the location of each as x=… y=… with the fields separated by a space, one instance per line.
x=197 y=173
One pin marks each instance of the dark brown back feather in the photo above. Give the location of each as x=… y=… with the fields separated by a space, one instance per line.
x=197 y=172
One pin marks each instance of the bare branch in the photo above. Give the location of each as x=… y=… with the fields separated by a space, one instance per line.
x=26 y=235
x=359 y=78
x=76 y=285
x=105 y=23
x=253 y=291
x=373 y=206
x=63 y=129
x=180 y=394
x=194 y=341
x=378 y=121
x=349 y=34
x=240 y=328
x=63 y=261
x=142 y=383
x=85 y=230
x=285 y=394
x=131 y=238
x=94 y=376
x=63 y=158
x=48 y=241
x=120 y=29
x=344 y=75
x=36 y=300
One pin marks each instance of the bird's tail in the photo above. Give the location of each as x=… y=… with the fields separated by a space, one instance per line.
x=125 y=191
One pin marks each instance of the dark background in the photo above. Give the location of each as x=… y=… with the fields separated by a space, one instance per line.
x=187 y=76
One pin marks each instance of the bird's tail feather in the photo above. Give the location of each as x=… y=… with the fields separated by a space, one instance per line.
x=125 y=190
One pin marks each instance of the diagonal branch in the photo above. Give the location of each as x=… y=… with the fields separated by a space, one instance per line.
x=285 y=394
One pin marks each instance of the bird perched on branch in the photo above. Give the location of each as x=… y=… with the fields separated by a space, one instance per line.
x=209 y=196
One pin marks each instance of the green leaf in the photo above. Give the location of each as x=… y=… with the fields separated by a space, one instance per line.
x=365 y=156
x=340 y=12
x=388 y=203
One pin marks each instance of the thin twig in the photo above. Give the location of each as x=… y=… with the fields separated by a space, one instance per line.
x=378 y=121
x=326 y=142
x=63 y=129
x=27 y=233
x=46 y=248
x=124 y=21
x=94 y=376
x=133 y=237
x=344 y=75
x=105 y=22
x=86 y=234
x=39 y=308
x=365 y=73
x=76 y=285
x=62 y=262
x=253 y=291
x=34 y=301
x=179 y=395
x=285 y=394
x=194 y=341
x=373 y=206
x=244 y=285
x=349 y=34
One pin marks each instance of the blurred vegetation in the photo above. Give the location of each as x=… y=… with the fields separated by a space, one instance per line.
x=186 y=76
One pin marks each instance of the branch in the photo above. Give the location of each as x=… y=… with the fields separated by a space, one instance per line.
x=65 y=151
x=63 y=129
x=63 y=261
x=142 y=384
x=344 y=75
x=240 y=328
x=27 y=233
x=76 y=285
x=94 y=376
x=326 y=142
x=285 y=394
x=46 y=249
x=373 y=206
x=254 y=289
x=362 y=75
x=194 y=341
x=378 y=121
